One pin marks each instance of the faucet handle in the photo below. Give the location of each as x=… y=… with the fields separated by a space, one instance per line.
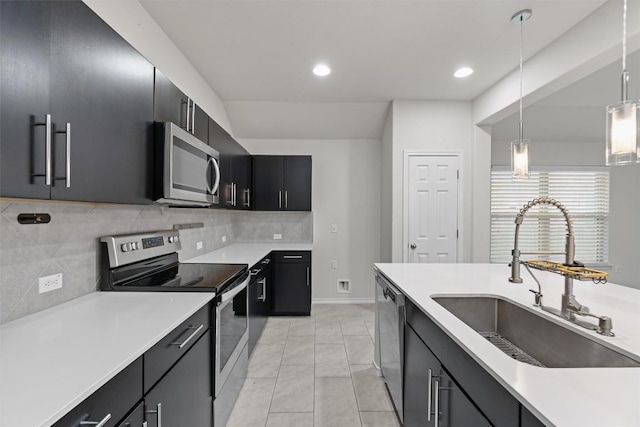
x=538 y=298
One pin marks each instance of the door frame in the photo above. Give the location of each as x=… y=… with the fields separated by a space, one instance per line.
x=405 y=199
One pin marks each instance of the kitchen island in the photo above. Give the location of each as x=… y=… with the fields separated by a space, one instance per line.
x=555 y=396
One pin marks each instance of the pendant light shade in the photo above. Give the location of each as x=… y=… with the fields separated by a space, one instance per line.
x=520 y=147
x=623 y=138
x=520 y=159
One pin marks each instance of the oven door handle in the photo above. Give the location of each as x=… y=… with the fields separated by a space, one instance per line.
x=235 y=291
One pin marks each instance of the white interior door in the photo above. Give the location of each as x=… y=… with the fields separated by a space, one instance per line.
x=432 y=208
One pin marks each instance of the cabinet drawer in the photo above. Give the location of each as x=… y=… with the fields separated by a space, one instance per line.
x=159 y=358
x=291 y=256
x=115 y=399
x=497 y=404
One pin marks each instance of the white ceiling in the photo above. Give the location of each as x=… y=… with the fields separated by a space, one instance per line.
x=258 y=55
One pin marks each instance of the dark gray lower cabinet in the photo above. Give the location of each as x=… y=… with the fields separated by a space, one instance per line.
x=467 y=394
x=432 y=398
x=111 y=402
x=291 y=283
x=182 y=398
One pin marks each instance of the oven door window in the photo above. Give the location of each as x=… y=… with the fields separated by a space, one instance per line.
x=233 y=326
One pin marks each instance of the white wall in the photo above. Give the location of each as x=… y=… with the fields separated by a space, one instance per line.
x=129 y=19
x=432 y=127
x=345 y=192
x=386 y=190
x=624 y=231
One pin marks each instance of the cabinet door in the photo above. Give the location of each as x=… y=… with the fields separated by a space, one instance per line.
x=455 y=408
x=25 y=56
x=200 y=123
x=292 y=289
x=297 y=183
x=241 y=169
x=183 y=397
x=170 y=103
x=420 y=368
x=103 y=88
x=267 y=183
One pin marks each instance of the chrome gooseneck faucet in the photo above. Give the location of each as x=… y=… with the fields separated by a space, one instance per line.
x=570 y=306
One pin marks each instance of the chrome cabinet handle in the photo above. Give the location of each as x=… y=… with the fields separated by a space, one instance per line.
x=48 y=163
x=247 y=197
x=193 y=117
x=280 y=199
x=429 y=378
x=307 y=276
x=235 y=194
x=437 y=403
x=158 y=412
x=67 y=176
x=263 y=282
x=266 y=261
x=186 y=116
x=100 y=423
x=193 y=334
x=47 y=141
x=292 y=257
x=254 y=272
x=286 y=199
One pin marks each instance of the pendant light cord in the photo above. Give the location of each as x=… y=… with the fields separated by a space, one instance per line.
x=625 y=74
x=520 y=127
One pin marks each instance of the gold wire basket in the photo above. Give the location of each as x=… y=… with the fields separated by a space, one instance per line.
x=577 y=273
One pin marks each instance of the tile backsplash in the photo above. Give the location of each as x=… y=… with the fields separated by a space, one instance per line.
x=69 y=243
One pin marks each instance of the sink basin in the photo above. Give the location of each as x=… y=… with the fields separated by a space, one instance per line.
x=530 y=338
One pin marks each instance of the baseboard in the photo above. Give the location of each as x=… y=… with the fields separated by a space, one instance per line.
x=343 y=301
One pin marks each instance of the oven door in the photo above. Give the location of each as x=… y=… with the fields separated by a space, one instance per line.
x=191 y=174
x=232 y=331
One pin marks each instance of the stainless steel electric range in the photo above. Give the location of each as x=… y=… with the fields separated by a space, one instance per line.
x=148 y=262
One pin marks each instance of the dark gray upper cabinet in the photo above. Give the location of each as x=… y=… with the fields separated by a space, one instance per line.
x=170 y=104
x=282 y=183
x=235 y=168
x=60 y=60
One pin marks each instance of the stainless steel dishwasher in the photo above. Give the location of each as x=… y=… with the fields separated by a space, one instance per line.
x=391 y=318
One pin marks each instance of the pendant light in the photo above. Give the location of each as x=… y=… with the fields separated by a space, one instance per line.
x=520 y=147
x=623 y=138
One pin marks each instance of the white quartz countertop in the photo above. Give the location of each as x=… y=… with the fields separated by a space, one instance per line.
x=557 y=396
x=52 y=360
x=246 y=253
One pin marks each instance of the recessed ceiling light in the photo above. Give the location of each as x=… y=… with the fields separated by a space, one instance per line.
x=321 y=70
x=463 y=72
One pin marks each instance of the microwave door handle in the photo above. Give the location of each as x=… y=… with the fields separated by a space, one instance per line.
x=216 y=184
x=206 y=181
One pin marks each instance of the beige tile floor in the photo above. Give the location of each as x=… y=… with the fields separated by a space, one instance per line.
x=315 y=371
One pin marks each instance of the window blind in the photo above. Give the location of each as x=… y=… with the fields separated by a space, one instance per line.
x=585 y=193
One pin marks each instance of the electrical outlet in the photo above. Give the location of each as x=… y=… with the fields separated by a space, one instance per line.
x=334 y=264
x=224 y=239
x=199 y=245
x=277 y=237
x=49 y=283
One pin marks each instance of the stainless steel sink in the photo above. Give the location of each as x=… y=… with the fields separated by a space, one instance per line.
x=530 y=338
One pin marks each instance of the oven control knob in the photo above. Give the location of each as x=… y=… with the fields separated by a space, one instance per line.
x=126 y=247
x=134 y=246
x=173 y=239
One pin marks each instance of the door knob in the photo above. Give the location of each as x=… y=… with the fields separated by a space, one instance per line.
x=413 y=246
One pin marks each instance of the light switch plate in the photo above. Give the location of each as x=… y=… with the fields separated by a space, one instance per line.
x=224 y=239
x=199 y=245
x=334 y=264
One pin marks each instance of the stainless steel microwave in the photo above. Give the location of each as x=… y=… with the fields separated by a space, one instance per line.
x=187 y=172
